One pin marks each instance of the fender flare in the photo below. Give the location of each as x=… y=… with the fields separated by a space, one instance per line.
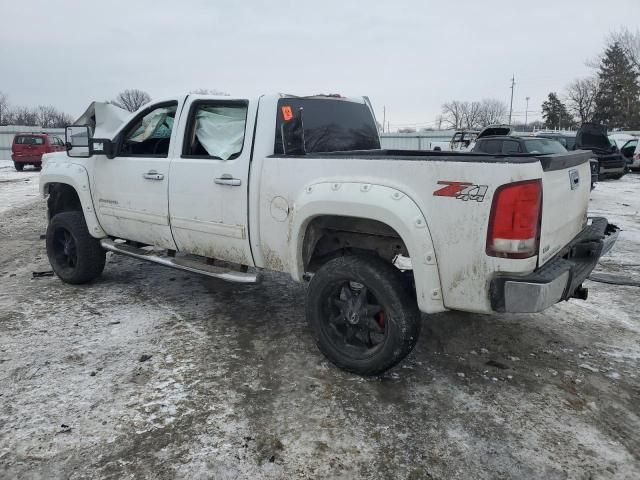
x=374 y=202
x=77 y=177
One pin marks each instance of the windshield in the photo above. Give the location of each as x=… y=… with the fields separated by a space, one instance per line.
x=543 y=146
x=330 y=125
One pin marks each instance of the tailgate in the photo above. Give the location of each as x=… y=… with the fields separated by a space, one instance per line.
x=566 y=185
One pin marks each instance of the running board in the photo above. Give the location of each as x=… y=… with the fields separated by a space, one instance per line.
x=181 y=263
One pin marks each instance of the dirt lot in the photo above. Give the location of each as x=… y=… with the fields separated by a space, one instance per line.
x=154 y=373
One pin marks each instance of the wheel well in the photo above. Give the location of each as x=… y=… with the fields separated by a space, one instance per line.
x=329 y=236
x=62 y=198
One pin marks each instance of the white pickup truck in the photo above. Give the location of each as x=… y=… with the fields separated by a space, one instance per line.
x=228 y=186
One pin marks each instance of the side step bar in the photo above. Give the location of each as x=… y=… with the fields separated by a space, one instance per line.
x=181 y=263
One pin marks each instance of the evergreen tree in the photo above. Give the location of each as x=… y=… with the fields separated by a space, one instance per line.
x=618 y=99
x=555 y=113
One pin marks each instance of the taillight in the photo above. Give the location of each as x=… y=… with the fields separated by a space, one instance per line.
x=515 y=220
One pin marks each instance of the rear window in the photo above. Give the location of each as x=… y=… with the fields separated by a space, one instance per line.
x=493 y=147
x=543 y=146
x=330 y=125
x=29 y=140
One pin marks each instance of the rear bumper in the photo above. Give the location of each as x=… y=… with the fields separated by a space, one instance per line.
x=560 y=278
x=28 y=159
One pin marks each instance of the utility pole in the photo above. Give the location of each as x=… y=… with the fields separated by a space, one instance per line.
x=526 y=111
x=513 y=83
x=384 y=116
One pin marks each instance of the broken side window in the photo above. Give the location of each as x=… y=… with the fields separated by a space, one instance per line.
x=150 y=134
x=216 y=129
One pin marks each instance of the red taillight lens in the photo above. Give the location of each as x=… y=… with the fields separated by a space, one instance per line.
x=515 y=220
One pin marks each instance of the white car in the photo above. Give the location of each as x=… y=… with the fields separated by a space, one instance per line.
x=631 y=151
x=226 y=187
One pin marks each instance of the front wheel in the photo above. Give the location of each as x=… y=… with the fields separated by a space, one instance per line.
x=361 y=314
x=75 y=256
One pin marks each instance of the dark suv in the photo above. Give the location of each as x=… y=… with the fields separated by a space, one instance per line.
x=592 y=136
x=505 y=145
x=538 y=145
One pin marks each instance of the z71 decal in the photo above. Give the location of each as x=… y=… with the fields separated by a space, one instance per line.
x=464 y=191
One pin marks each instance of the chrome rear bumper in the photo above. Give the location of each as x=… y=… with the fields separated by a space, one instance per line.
x=560 y=278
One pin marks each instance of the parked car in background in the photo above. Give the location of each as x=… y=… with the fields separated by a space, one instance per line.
x=491 y=131
x=566 y=139
x=507 y=144
x=631 y=151
x=611 y=163
x=28 y=148
x=462 y=139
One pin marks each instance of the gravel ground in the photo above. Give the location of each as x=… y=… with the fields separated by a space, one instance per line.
x=155 y=373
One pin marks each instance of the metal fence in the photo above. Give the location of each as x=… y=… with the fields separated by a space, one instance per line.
x=416 y=141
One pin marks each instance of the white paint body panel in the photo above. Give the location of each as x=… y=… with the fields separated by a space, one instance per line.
x=262 y=221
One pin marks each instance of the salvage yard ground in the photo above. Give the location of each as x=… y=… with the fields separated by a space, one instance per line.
x=155 y=373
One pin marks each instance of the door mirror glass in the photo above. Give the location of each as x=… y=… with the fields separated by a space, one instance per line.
x=77 y=141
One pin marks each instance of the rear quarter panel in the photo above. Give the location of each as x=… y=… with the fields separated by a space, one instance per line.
x=456 y=227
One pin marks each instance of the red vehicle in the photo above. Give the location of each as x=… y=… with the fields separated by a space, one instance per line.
x=28 y=148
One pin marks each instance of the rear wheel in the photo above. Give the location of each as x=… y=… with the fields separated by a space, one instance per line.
x=361 y=315
x=75 y=256
x=19 y=166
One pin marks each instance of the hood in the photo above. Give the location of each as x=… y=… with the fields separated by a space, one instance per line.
x=593 y=136
x=495 y=130
x=103 y=118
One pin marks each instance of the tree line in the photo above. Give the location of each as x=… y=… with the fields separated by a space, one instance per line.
x=45 y=116
x=48 y=116
x=611 y=95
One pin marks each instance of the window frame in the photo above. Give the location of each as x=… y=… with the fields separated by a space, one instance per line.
x=191 y=118
x=127 y=129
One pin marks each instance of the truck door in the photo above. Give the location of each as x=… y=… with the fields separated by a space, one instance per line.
x=131 y=190
x=208 y=205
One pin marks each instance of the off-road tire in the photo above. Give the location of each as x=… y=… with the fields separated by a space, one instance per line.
x=89 y=255
x=386 y=283
x=18 y=166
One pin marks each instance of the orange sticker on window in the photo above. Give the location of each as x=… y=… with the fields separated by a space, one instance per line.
x=287 y=113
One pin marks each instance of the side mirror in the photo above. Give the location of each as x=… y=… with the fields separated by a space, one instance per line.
x=77 y=140
x=103 y=146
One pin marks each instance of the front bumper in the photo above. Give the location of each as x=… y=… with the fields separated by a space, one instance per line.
x=560 y=278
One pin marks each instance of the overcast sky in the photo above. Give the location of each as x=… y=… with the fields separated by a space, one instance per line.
x=408 y=55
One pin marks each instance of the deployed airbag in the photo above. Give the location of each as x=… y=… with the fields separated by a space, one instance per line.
x=220 y=130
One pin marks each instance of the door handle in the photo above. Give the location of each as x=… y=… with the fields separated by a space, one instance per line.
x=153 y=175
x=227 y=179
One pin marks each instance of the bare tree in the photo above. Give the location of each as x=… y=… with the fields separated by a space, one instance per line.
x=492 y=111
x=47 y=116
x=22 y=116
x=472 y=115
x=131 y=100
x=581 y=98
x=4 y=107
x=208 y=91
x=453 y=113
x=630 y=43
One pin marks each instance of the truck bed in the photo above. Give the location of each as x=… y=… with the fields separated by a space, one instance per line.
x=548 y=162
